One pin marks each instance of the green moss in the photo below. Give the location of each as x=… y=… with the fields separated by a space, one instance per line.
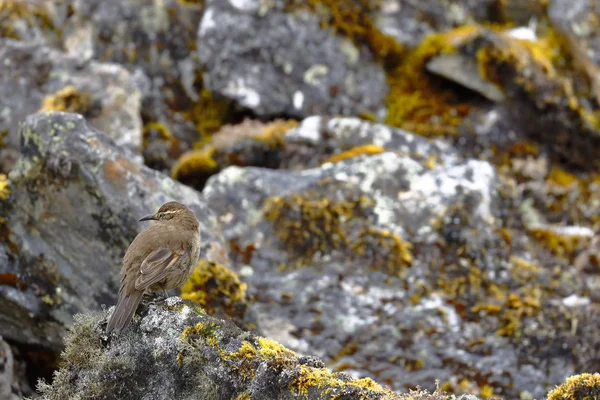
x=356 y=151
x=578 y=387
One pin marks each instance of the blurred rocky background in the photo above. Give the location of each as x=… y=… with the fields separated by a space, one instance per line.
x=397 y=191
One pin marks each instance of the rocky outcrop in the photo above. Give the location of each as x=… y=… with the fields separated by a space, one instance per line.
x=74 y=204
x=37 y=78
x=274 y=61
x=175 y=351
x=395 y=257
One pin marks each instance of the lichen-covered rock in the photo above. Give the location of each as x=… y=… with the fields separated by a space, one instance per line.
x=37 y=78
x=74 y=204
x=174 y=350
x=157 y=40
x=283 y=63
x=402 y=260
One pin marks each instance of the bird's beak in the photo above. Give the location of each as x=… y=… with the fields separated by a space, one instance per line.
x=149 y=218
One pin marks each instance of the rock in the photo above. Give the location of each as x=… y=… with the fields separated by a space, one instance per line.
x=424 y=251
x=7 y=373
x=74 y=204
x=275 y=62
x=174 y=350
x=34 y=77
x=463 y=70
x=156 y=40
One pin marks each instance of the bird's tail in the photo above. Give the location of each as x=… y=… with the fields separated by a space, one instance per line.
x=123 y=313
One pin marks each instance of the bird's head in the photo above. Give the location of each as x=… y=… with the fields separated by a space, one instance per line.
x=175 y=211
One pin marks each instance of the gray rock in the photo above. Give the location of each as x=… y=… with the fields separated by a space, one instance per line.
x=176 y=351
x=384 y=264
x=76 y=197
x=463 y=70
x=7 y=373
x=35 y=77
x=274 y=62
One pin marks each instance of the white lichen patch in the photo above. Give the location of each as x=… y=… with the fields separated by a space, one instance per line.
x=309 y=131
x=239 y=90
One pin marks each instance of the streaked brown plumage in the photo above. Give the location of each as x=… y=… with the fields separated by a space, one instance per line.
x=160 y=258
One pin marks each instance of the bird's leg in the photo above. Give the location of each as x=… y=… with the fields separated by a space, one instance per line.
x=165 y=292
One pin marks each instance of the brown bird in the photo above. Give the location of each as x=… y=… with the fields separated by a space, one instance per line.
x=160 y=258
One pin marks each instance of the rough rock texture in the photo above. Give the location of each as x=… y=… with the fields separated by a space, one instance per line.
x=34 y=77
x=75 y=200
x=274 y=62
x=176 y=351
x=156 y=42
x=408 y=264
x=9 y=388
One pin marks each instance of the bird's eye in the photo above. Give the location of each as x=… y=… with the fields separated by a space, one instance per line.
x=160 y=215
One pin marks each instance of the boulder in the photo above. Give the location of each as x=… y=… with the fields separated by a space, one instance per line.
x=396 y=257
x=174 y=350
x=74 y=204
x=38 y=78
x=276 y=62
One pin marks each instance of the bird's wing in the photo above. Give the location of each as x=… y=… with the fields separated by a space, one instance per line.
x=156 y=267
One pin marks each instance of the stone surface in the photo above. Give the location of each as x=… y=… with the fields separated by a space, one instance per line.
x=34 y=77
x=75 y=200
x=174 y=351
x=274 y=62
x=406 y=265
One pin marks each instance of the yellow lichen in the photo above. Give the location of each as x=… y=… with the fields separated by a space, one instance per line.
x=68 y=99
x=4 y=190
x=195 y=163
x=212 y=285
x=273 y=133
x=208 y=112
x=308 y=378
x=559 y=176
x=351 y=19
x=270 y=349
x=563 y=245
x=28 y=15
x=486 y=391
x=578 y=387
x=417 y=101
x=356 y=151
x=158 y=130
